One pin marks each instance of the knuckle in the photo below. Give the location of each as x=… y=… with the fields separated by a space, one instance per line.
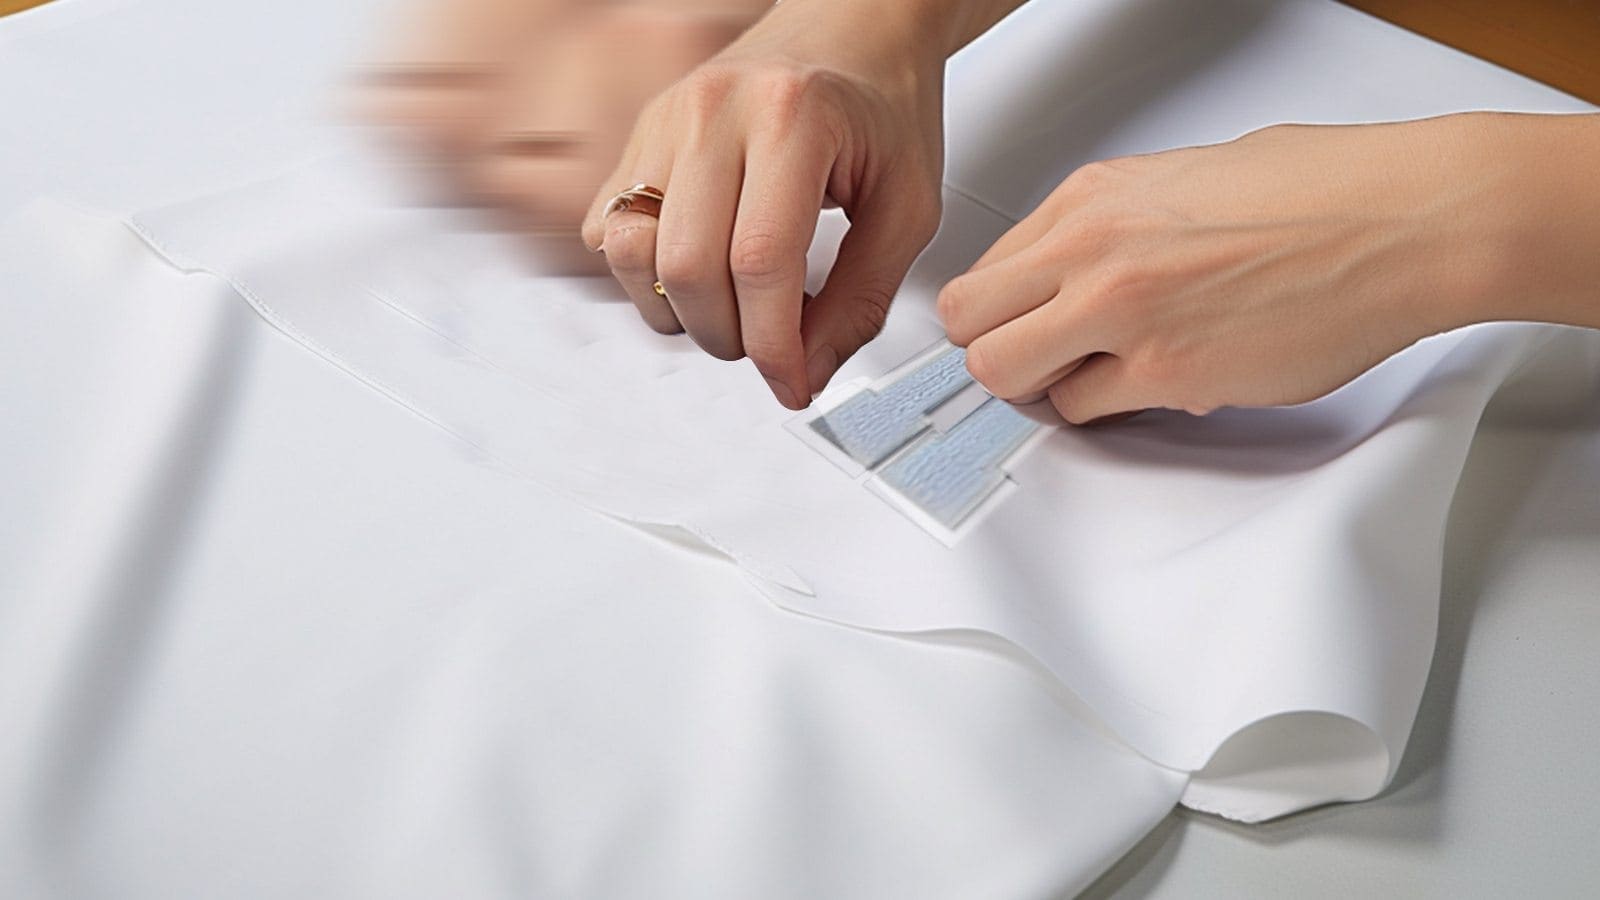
x=1117 y=284
x=683 y=267
x=1115 y=280
x=872 y=311
x=630 y=250
x=1059 y=251
x=760 y=255
x=785 y=93
x=766 y=351
x=1074 y=240
x=707 y=89
x=1089 y=178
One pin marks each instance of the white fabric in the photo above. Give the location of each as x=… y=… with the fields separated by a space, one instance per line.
x=1187 y=578
x=260 y=628
x=275 y=636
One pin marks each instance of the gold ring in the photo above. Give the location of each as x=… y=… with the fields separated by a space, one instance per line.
x=640 y=198
x=660 y=291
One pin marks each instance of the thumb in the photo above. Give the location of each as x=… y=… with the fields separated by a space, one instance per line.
x=883 y=240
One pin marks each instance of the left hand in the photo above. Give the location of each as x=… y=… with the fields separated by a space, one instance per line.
x=1266 y=271
x=524 y=106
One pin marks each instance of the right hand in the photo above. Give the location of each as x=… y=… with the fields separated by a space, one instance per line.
x=813 y=106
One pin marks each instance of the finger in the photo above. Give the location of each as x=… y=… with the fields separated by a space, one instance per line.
x=1039 y=410
x=630 y=248
x=692 y=249
x=1019 y=236
x=1041 y=397
x=1118 y=417
x=984 y=299
x=776 y=220
x=1100 y=389
x=593 y=229
x=877 y=251
x=1026 y=355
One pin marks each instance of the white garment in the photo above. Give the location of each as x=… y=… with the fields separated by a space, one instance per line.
x=1187 y=578
x=276 y=636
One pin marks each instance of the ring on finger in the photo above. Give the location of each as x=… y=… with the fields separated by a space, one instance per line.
x=641 y=198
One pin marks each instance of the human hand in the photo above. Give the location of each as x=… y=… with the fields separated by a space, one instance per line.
x=523 y=106
x=812 y=106
x=1269 y=270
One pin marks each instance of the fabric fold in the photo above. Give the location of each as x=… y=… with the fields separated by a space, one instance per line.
x=1191 y=579
x=264 y=631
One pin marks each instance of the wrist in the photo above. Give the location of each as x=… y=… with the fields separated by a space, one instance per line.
x=744 y=12
x=1531 y=240
x=898 y=34
x=918 y=33
x=884 y=46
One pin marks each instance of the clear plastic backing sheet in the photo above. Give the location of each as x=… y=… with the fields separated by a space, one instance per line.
x=1198 y=582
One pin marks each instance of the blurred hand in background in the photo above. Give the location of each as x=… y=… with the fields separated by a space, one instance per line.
x=748 y=118
x=523 y=106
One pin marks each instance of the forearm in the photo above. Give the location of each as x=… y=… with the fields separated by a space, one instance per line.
x=1514 y=217
x=953 y=24
x=928 y=30
x=1545 y=248
x=735 y=10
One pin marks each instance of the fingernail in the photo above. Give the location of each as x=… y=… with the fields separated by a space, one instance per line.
x=820 y=367
x=782 y=392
